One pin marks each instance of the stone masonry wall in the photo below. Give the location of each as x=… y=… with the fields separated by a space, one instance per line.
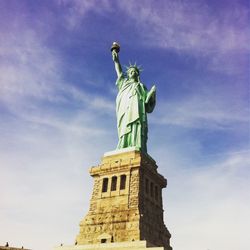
x=125 y=214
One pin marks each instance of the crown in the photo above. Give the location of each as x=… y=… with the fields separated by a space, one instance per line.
x=134 y=66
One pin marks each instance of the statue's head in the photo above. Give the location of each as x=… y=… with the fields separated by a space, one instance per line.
x=133 y=72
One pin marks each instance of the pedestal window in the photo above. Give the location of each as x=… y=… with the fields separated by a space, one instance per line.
x=105 y=185
x=123 y=182
x=113 y=183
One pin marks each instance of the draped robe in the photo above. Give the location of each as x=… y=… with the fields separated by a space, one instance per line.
x=131 y=109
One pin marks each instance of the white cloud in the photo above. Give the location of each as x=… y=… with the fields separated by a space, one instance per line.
x=27 y=68
x=208 y=207
x=46 y=187
x=77 y=10
x=31 y=80
x=45 y=153
x=203 y=110
x=39 y=197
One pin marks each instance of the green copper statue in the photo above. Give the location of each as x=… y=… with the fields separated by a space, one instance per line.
x=133 y=102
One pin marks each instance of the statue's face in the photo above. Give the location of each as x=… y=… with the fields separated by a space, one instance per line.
x=133 y=73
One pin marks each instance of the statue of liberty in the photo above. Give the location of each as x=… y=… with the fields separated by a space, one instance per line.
x=133 y=102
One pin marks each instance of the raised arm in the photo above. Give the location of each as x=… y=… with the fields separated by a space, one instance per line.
x=118 y=67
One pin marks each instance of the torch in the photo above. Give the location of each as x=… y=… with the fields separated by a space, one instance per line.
x=115 y=46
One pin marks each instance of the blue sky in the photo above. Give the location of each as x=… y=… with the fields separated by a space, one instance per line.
x=57 y=113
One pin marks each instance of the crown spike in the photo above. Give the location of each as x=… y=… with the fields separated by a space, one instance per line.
x=139 y=68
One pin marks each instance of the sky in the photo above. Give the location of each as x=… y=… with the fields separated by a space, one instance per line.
x=57 y=113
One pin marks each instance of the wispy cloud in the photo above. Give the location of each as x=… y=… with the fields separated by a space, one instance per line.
x=177 y=25
x=222 y=39
x=31 y=77
x=28 y=68
x=203 y=110
x=219 y=36
x=190 y=26
x=77 y=10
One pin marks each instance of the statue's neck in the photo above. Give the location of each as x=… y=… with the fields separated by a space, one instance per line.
x=133 y=80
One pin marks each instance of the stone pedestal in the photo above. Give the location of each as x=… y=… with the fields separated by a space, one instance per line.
x=126 y=205
x=135 y=245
